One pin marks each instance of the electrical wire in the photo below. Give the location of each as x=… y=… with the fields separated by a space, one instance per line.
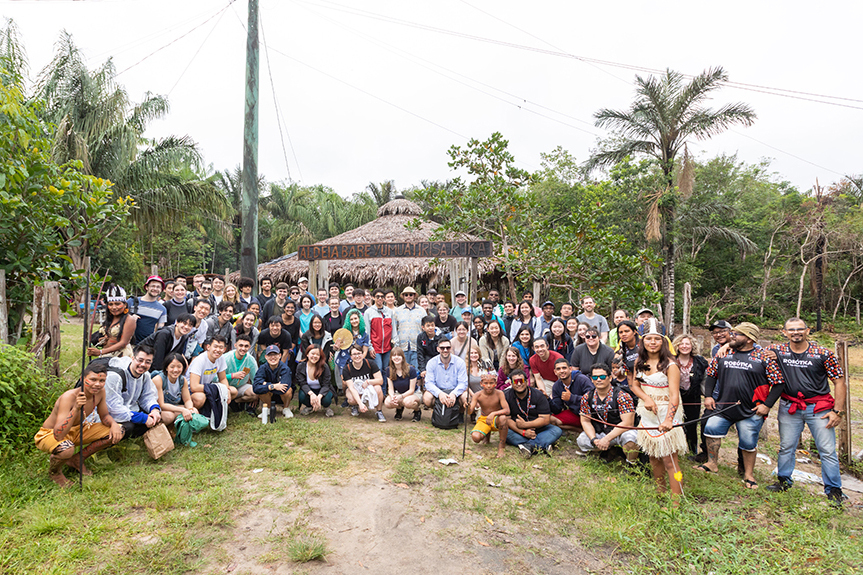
x=276 y=100
x=740 y=85
x=176 y=39
x=198 y=51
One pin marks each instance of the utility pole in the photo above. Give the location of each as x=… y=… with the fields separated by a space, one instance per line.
x=249 y=203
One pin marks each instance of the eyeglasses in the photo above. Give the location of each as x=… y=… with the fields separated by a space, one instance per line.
x=598 y=377
x=445 y=347
x=796 y=329
x=590 y=337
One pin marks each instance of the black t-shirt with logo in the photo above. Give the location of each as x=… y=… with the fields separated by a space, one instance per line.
x=529 y=407
x=744 y=376
x=367 y=371
x=808 y=372
x=283 y=340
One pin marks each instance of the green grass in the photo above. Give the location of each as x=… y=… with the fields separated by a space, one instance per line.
x=172 y=516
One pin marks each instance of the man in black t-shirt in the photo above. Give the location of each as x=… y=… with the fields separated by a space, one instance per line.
x=750 y=383
x=592 y=351
x=808 y=369
x=275 y=335
x=529 y=418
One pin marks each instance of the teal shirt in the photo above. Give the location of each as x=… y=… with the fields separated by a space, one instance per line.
x=233 y=365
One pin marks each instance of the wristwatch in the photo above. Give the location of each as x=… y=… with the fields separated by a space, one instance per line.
x=839 y=413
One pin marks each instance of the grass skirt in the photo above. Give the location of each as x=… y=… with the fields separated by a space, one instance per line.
x=653 y=442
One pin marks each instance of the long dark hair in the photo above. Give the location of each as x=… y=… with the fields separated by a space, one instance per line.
x=631 y=325
x=518 y=337
x=311 y=330
x=665 y=358
x=319 y=366
x=488 y=339
x=519 y=315
x=549 y=337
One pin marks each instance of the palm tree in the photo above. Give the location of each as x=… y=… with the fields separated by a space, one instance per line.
x=99 y=126
x=382 y=193
x=667 y=112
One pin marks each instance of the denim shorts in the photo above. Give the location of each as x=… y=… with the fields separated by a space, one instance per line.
x=747 y=430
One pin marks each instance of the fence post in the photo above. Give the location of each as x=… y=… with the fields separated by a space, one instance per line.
x=687 y=306
x=52 y=326
x=843 y=441
x=4 y=312
x=154 y=271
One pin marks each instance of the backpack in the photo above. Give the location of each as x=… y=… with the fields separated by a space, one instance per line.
x=444 y=417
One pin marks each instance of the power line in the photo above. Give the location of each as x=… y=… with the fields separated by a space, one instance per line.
x=176 y=39
x=183 y=73
x=562 y=54
x=276 y=100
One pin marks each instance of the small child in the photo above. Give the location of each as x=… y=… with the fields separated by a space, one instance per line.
x=494 y=411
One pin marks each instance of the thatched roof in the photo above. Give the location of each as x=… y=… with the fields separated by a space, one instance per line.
x=388 y=227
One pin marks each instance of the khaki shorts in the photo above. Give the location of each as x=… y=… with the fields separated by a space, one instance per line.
x=46 y=442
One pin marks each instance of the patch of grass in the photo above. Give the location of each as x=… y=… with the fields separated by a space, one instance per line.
x=307 y=548
x=407 y=471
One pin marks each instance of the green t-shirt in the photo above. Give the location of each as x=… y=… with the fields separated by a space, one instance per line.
x=234 y=365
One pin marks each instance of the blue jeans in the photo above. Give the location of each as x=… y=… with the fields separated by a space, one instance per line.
x=790 y=427
x=411 y=356
x=747 y=430
x=545 y=436
x=383 y=362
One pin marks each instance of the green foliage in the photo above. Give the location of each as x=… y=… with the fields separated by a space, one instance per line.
x=27 y=396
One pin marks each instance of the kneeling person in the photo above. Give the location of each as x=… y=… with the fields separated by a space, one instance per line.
x=130 y=393
x=601 y=410
x=274 y=379
x=240 y=371
x=493 y=412
x=362 y=380
x=61 y=432
x=530 y=416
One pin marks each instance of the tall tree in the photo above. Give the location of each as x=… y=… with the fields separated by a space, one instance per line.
x=667 y=112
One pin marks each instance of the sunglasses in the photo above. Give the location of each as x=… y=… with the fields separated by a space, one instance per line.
x=598 y=377
x=590 y=337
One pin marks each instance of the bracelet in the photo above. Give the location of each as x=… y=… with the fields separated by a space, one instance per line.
x=522 y=434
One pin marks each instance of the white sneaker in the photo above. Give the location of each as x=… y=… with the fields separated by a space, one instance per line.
x=287 y=412
x=265 y=415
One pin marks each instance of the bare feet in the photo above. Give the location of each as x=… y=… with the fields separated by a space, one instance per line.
x=73 y=463
x=55 y=471
x=500 y=452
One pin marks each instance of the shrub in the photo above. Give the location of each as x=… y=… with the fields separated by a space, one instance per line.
x=27 y=396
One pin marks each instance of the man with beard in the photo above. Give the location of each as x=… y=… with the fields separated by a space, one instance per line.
x=750 y=383
x=529 y=423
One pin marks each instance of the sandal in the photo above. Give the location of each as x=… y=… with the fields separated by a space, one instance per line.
x=750 y=484
x=703 y=468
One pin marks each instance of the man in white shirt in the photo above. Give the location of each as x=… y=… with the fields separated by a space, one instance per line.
x=209 y=367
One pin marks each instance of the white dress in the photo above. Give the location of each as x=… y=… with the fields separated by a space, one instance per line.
x=652 y=441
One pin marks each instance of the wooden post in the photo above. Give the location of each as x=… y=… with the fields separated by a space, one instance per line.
x=457 y=278
x=857 y=303
x=38 y=320
x=687 y=305
x=537 y=293
x=843 y=437
x=473 y=271
x=154 y=269
x=4 y=311
x=227 y=273
x=313 y=275
x=323 y=276
x=52 y=326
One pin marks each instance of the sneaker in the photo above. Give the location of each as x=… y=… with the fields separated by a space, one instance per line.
x=580 y=453
x=250 y=409
x=779 y=487
x=355 y=411
x=418 y=415
x=525 y=451
x=381 y=417
x=398 y=415
x=287 y=413
x=345 y=403
x=548 y=450
x=305 y=410
x=329 y=412
x=836 y=497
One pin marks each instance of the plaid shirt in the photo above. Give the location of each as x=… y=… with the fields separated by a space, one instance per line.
x=407 y=325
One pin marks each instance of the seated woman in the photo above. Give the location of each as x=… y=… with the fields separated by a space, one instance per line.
x=246 y=325
x=511 y=362
x=494 y=344
x=173 y=389
x=524 y=344
x=461 y=341
x=316 y=335
x=356 y=324
x=557 y=338
x=314 y=381
x=403 y=391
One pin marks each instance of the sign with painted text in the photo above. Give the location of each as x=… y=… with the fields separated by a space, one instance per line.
x=395 y=250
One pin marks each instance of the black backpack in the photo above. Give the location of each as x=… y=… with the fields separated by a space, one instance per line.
x=444 y=417
x=117 y=370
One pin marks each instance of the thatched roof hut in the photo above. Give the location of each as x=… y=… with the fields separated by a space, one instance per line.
x=388 y=227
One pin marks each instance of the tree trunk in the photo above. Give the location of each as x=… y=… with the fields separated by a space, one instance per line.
x=800 y=289
x=819 y=281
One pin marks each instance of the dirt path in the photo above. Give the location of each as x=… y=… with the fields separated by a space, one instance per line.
x=371 y=524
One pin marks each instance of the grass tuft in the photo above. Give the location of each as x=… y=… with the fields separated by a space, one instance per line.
x=305 y=549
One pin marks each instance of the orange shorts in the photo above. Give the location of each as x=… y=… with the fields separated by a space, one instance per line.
x=46 y=441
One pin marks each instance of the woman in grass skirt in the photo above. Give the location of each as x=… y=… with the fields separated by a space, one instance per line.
x=656 y=382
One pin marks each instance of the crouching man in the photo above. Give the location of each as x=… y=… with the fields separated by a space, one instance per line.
x=602 y=409
x=61 y=432
x=130 y=394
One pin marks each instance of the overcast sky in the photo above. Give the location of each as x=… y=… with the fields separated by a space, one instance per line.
x=378 y=90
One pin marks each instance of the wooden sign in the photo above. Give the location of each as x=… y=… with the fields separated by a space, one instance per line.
x=395 y=250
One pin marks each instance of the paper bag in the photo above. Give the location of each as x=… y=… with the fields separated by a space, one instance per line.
x=158 y=441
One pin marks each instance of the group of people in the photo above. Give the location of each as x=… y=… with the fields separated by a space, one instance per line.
x=172 y=354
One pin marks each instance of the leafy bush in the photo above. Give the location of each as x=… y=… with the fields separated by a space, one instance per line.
x=27 y=396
